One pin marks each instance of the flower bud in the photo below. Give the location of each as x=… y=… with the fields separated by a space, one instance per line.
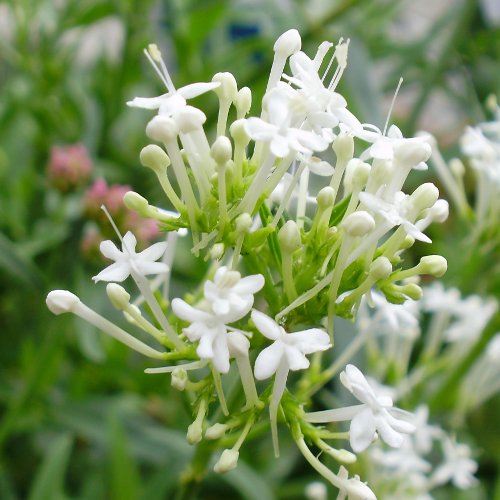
x=221 y=150
x=215 y=431
x=190 y=119
x=341 y=455
x=179 y=378
x=357 y=490
x=358 y=223
x=316 y=491
x=243 y=223
x=61 y=301
x=424 y=196
x=243 y=101
x=134 y=201
x=153 y=157
x=412 y=290
x=413 y=151
x=356 y=174
x=380 y=268
x=408 y=242
x=288 y=43
x=326 y=198
x=343 y=146
x=194 y=432
x=217 y=251
x=162 y=129
x=238 y=131
x=457 y=167
x=118 y=296
x=69 y=167
x=289 y=236
x=439 y=211
x=435 y=265
x=227 y=461
x=228 y=89
x=238 y=345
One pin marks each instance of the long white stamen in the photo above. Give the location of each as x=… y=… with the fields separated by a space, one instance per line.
x=278 y=390
x=392 y=106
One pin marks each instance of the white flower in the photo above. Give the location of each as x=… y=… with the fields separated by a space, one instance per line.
x=288 y=348
x=375 y=414
x=353 y=488
x=457 y=467
x=437 y=298
x=231 y=296
x=209 y=330
x=396 y=213
x=278 y=132
x=128 y=262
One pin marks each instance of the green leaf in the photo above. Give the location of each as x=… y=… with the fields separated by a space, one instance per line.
x=339 y=210
x=124 y=476
x=49 y=481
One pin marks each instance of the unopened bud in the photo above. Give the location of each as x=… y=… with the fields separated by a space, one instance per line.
x=424 y=196
x=412 y=290
x=343 y=146
x=162 y=129
x=190 y=119
x=380 y=268
x=194 y=433
x=217 y=251
x=439 y=211
x=228 y=89
x=221 y=150
x=358 y=223
x=435 y=265
x=243 y=101
x=215 y=431
x=326 y=197
x=118 y=296
x=288 y=43
x=179 y=378
x=61 y=301
x=289 y=236
x=457 y=167
x=135 y=202
x=238 y=345
x=316 y=491
x=238 y=131
x=227 y=461
x=341 y=455
x=153 y=157
x=356 y=174
x=413 y=151
x=408 y=242
x=243 y=223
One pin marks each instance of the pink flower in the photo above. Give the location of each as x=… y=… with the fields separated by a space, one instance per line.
x=69 y=167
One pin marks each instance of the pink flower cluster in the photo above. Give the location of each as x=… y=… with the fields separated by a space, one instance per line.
x=69 y=167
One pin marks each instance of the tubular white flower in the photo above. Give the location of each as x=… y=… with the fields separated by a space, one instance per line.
x=375 y=414
x=128 y=261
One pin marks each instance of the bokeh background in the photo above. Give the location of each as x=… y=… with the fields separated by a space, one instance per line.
x=78 y=417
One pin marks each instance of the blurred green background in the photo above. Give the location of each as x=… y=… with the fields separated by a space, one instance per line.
x=78 y=417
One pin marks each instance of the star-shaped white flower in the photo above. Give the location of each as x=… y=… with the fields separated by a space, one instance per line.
x=396 y=213
x=289 y=349
x=128 y=262
x=230 y=295
x=278 y=132
x=374 y=415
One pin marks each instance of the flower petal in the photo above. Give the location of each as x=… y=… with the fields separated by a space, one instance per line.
x=117 y=272
x=110 y=250
x=267 y=326
x=309 y=341
x=188 y=313
x=129 y=242
x=221 y=353
x=268 y=360
x=295 y=358
x=153 y=252
x=196 y=89
x=362 y=430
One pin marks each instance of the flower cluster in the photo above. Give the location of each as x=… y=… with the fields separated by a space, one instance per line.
x=69 y=167
x=285 y=261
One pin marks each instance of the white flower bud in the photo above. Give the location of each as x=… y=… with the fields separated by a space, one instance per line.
x=424 y=196
x=243 y=223
x=129 y=317
x=118 y=296
x=61 y=301
x=179 y=378
x=153 y=157
x=162 y=129
x=190 y=119
x=356 y=174
x=316 y=491
x=227 y=461
x=412 y=290
x=228 y=89
x=215 y=431
x=408 y=242
x=238 y=131
x=288 y=43
x=341 y=455
x=343 y=146
x=435 y=265
x=194 y=433
x=243 y=101
x=238 y=345
x=289 y=236
x=439 y=211
x=221 y=150
x=357 y=490
x=135 y=202
x=413 y=151
x=380 y=268
x=358 y=223
x=326 y=197
x=217 y=251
